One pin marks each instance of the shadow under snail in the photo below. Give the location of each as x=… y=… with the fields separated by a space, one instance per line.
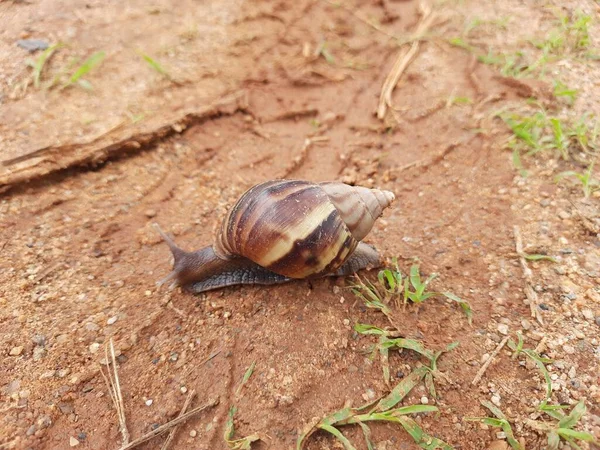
x=282 y=230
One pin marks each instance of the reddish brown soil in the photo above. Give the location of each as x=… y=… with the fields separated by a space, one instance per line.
x=77 y=246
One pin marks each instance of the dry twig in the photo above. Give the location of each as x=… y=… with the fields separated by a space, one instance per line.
x=403 y=61
x=425 y=163
x=184 y=408
x=529 y=291
x=301 y=158
x=481 y=371
x=114 y=389
x=167 y=426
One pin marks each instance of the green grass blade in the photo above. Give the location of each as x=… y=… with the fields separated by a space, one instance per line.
x=537 y=257
x=229 y=429
x=40 y=62
x=338 y=434
x=553 y=440
x=401 y=390
x=367 y=432
x=421 y=438
x=246 y=377
x=154 y=64
x=518 y=347
x=465 y=306
x=86 y=67
x=392 y=414
x=410 y=344
x=576 y=413
x=368 y=329
x=540 y=362
x=573 y=434
x=415 y=277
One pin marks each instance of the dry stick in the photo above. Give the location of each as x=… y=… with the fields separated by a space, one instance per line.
x=430 y=161
x=114 y=389
x=529 y=291
x=402 y=62
x=363 y=20
x=186 y=405
x=167 y=426
x=489 y=361
x=301 y=158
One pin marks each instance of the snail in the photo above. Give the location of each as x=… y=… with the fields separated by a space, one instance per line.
x=282 y=230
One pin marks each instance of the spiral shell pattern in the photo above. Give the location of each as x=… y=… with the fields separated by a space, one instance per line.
x=300 y=229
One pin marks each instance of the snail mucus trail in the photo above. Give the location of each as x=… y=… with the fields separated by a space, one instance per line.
x=282 y=230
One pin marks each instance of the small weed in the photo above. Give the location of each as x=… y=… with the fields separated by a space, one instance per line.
x=564 y=428
x=459 y=101
x=570 y=34
x=395 y=286
x=389 y=341
x=539 y=132
x=585 y=132
x=83 y=70
x=510 y=64
x=499 y=421
x=461 y=43
x=323 y=51
x=246 y=377
x=562 y=90
x=40 y=62
x=589 y=184
x=244 y=443
x=384 y=410
x=538 y=360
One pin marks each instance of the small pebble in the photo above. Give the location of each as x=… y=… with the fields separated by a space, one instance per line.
x=588 y=314
x=31 y=45
x=569 y=349
x=496 y=400
x=16 y=351
x=90 y=326
x=112 y=320
x=424 y=400
x=39 y=339
x=150 y=213
x=193 y=433
x=94 y=347
x=183 y=389
x=346 y=322
x=73 y=442
x=503 y=329
x=149 y=402
x=501 y=435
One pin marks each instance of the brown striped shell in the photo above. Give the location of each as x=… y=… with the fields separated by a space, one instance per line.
x=300 y=229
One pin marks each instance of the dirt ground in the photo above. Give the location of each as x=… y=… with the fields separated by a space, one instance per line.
x=282 y=89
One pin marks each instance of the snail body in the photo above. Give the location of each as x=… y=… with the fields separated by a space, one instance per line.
x=282 y=230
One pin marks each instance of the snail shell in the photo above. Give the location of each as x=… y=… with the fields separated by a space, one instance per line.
x=286 y=229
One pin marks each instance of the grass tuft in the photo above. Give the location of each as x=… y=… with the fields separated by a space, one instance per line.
x=392 y=285
x=589 y=184
x=385 y=410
